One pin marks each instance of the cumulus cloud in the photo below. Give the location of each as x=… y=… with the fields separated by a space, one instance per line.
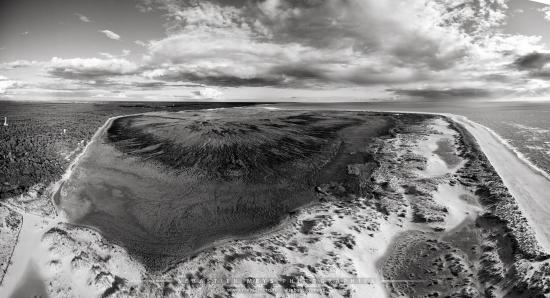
x=208 y=93
x=536 y=64
x=83 y=18
x=110 y=34
x=6 y=84
x=321 y=44
x=113 y=94
x=533 y=60
x=140 y=43
x=123 y=53
x=420 y=48
x=90 y=68
x=547 y=2
x=546 y=12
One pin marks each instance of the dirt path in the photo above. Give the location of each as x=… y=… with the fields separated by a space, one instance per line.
x=25 y=252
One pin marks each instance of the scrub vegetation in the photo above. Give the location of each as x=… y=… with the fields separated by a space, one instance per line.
x=42 y=138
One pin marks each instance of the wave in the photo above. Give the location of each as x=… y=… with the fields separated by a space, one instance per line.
x=505 y=143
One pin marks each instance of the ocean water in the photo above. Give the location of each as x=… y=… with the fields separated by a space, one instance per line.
x=524 y=125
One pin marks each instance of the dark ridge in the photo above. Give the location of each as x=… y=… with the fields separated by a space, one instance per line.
x=233 y=150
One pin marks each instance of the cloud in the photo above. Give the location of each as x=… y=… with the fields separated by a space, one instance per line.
x=319 y=44
x=123 y=53
x=83 y=18
x=113 y=94
x=418 y=48
x=208 y=93
x=110 y=34
x=547 y=2
x=17 y=64
x=90 y=68
x=533 y=60
x=443 y=93
x=140 y=43
x=546 y=11
x=536 y=64
x=6 y=84
x=107 y=55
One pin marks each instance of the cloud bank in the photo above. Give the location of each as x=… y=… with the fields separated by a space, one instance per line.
x=91 y=68
x=6 y=84
x=419 y=48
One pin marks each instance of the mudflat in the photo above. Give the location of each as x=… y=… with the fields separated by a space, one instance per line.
x=164 y=185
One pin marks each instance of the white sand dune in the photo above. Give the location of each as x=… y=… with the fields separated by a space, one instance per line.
x=528 y=186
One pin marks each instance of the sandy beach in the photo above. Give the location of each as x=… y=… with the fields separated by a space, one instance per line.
x=530 y=188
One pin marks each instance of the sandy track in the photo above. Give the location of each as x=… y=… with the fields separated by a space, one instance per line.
x=529 y=187
x=24 y=253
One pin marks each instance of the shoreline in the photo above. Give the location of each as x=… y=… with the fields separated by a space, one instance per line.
x=23 y=255
x=451 y=116
x=523 y=197
x=278 y=226
x=58 y=185
x=527 y=201
x=528 y=187
x=474 y=129
x=531 y=200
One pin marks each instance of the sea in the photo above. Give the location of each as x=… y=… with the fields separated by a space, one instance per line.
x=525 y=125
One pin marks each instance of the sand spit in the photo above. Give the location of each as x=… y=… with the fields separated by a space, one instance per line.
x=431 y=217
x=331 y=248
x=528 y=186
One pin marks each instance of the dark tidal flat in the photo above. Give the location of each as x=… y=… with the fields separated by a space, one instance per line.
x=164 y=185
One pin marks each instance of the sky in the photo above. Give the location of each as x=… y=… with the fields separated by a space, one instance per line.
x=271 y=50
